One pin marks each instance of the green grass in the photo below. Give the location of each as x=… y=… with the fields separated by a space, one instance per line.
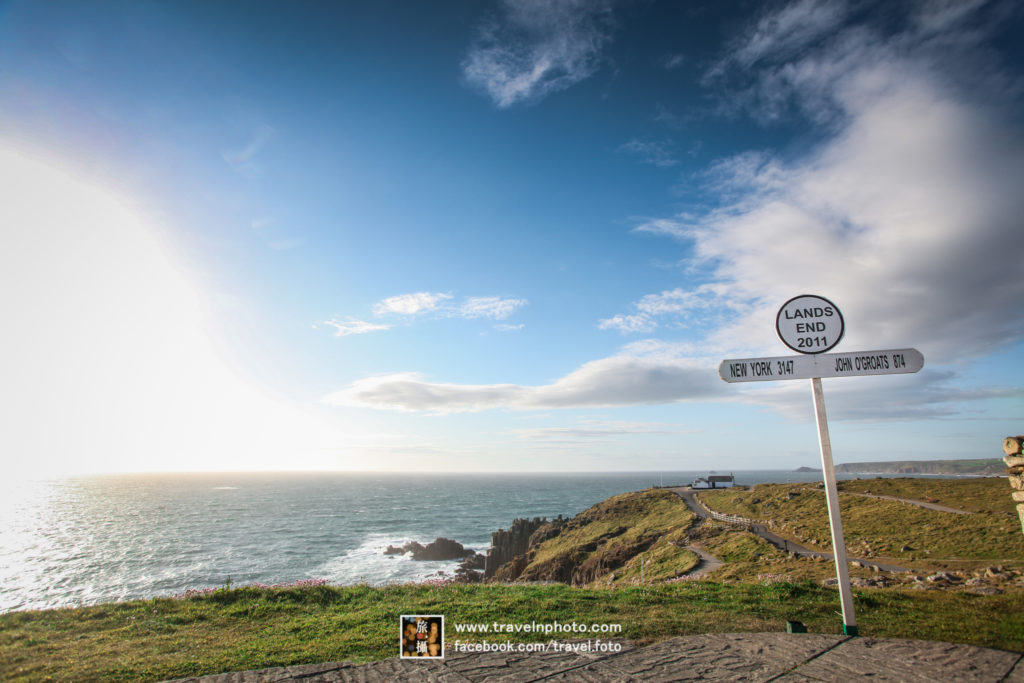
x=614 y=537
x=878 y=528
x=251 y=628
x=985 y=495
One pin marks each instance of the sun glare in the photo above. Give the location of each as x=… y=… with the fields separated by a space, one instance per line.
x=105 y=361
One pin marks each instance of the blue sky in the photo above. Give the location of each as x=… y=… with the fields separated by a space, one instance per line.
x=502 y=236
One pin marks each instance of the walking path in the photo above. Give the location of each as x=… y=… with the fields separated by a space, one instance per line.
x=708 y=563
x=697 y=507
x=783 y=657
x=910 y=501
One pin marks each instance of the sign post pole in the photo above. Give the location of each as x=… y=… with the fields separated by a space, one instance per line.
x=834 y=518
x=813 y=325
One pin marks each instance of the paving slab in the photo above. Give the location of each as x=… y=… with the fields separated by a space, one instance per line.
x=1016 y=675
x=711 y=657
x=910 y=660
x=776 y=657
x=519 y=666
x=395 y=669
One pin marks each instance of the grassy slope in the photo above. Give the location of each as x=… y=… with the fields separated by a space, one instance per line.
x=252 y=628
x=877 y=528
x=632 y=527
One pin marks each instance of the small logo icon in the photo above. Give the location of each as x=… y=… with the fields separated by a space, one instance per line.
x=422 y=636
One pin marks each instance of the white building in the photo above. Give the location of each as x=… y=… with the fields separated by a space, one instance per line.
x=715 y=481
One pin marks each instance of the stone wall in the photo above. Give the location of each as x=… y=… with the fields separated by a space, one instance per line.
x=1013 y=446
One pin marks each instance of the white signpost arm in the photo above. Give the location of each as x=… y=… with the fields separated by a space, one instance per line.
x=835 y=521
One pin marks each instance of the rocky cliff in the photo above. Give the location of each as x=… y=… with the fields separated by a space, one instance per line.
x=506 y=545
x=616 y=539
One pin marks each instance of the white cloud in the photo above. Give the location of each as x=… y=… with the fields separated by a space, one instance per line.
x=628 y=323
x=656 y=153
x=614 y=381
x=781 y=33
x=539 y=47
x=594 y=430
x=490 y=307
x=343 y=328
x=410 y=304
x=713 y=301
x=904 y=216
x=664 y=226
x=502 y=327
x=928 y=394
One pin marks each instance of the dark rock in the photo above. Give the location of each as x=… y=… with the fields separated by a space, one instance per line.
x=463 y=575
x=474 y=561
x=507 y=545
x=440 y=549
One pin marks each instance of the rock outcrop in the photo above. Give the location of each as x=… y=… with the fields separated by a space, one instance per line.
x=613 y=537
x=439 y=549
x=506 y=545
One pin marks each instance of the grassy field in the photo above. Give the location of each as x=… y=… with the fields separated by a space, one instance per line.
x=250 y=628
x=904 y=534
x=984 y=494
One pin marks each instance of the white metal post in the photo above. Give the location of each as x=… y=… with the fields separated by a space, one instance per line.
x=834 y=519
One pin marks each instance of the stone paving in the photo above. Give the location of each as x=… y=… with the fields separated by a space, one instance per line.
x=783 y=657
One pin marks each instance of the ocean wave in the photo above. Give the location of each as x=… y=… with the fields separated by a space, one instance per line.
x=367 y=563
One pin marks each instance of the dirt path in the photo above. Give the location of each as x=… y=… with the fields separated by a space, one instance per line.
x=708 y=563
x=689 y=497
x=910 y=501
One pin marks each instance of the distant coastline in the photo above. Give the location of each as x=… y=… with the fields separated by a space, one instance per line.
x=984 y=467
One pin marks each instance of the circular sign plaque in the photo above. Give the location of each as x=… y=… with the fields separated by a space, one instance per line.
x=809 y=324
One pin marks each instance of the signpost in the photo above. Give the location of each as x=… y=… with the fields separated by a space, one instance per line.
x=809 y=324
x=813 y=325
x=854 y=364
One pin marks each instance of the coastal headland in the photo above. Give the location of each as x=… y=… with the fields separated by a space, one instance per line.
x=638 y=560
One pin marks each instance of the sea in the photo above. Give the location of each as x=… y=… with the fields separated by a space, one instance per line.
x=81 y=541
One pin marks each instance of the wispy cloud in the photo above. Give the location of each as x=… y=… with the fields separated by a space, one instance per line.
x=664 y=226
x=538 y=47
x=657 y=153
x=410 y=304
x=615 y=381
x=929 y=394
x=712 y=301
x=628 y=323
x=493 y=307
x=674 y=61
x=243 y=159
x=343 y=328
x=783 y=32
x=594 y=430
x=654 y=372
